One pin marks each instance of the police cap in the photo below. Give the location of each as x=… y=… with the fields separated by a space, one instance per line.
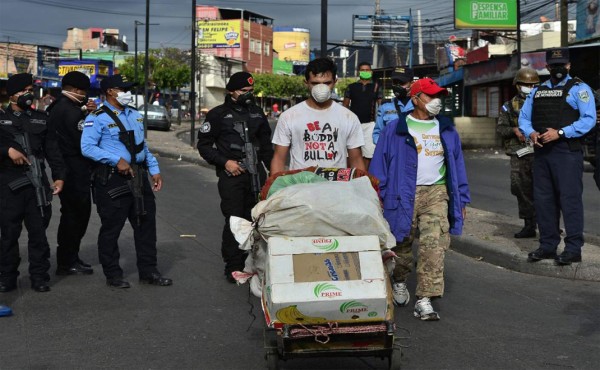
x=116 y=81
x=557 y=56
x=77 y=80
x=403 y=74
x=239 y=80
x=18 y=82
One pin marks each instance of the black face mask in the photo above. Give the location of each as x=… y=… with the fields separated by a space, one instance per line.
x=399 y=92
x=24 y=101
x=558 y=73
x=246 y=99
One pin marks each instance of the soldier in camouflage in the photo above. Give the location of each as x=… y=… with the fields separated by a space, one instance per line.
x=515 y=145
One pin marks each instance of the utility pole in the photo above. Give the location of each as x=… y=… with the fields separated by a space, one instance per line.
x=564 y=24
x=146 y=68
x=420 y=36
x=135 y=58
x=375 y=35
x=193 y=89
x=323 y=28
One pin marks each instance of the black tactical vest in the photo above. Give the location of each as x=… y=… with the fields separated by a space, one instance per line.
x=550 y=107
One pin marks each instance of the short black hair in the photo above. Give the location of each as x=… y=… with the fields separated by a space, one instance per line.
x=320 y=65
x=364 y=64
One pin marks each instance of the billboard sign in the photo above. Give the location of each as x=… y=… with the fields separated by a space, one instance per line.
x=96 y=70
x=292 y=43
x=218 y=34
x=485 y=14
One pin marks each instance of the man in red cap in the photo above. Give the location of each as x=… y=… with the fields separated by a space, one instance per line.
x=221 y=143
x=423 y=184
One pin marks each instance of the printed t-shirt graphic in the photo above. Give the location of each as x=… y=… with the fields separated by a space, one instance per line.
x=431 y=169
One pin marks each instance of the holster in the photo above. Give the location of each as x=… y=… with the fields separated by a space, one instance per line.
x=102 y=174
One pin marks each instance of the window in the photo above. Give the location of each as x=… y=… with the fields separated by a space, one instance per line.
x=267 y=48
x=494 y=101
x=252 y=45
x=258 y=46
x=481 y=102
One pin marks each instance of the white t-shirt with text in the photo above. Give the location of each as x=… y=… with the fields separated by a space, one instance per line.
x=431 y=169
x=318 y=137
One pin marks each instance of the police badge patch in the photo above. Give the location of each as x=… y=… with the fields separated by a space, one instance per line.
x=205 y=127
x=584 y=96
x=80 y=125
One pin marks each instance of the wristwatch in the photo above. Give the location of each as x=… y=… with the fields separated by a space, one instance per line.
x=561 y=133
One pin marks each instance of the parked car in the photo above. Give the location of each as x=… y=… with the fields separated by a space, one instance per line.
x=158 y=117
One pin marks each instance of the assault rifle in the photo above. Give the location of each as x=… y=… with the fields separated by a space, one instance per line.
x=34 y=173
x=250 y=161
x=135 y=183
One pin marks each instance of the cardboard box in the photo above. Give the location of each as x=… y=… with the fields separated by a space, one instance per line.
x=316 y=280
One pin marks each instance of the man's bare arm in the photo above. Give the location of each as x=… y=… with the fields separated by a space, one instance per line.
x=355 y=159
x=279 y=157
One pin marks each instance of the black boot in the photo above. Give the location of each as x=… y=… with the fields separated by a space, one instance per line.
x=528 y=230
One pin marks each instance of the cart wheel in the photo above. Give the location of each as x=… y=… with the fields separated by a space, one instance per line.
x=395 y=358
x=272 y=357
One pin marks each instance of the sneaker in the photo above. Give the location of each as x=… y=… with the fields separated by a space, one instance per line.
x=424 y=310
x=400 y=294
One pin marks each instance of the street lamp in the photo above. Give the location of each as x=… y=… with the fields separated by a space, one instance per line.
x=135 y=71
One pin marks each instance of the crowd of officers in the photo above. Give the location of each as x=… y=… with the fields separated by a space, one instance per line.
x=85 y=147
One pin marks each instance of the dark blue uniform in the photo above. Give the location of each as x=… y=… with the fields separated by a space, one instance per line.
x=558 y=165
x=19 y=206
x=218 y=142
x=76 y=204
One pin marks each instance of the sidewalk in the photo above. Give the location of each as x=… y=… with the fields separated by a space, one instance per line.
x=486 y=236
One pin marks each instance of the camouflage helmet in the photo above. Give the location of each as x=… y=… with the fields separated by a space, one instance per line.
x=526 y=75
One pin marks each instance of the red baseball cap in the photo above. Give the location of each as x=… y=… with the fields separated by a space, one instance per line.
x=427 y=86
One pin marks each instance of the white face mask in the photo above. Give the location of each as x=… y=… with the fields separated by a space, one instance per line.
x=434 y=106
x=525 y=90
x=124 y=98
x=321 y=93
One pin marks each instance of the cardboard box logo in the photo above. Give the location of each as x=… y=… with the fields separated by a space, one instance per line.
x=326 y=244
x=354 y=307
x=327 y=290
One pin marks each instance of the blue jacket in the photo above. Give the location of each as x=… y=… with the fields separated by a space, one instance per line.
x=395 y=162
x=387 y=113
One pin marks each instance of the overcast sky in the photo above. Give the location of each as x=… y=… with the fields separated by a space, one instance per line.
x=46 y=21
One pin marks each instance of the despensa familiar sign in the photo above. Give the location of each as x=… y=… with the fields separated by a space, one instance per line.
x=485 y=14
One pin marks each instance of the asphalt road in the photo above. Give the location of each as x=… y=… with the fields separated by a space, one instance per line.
x=489 y=182
x=491 y=318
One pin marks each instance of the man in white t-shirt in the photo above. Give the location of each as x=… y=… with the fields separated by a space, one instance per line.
x=318 y=132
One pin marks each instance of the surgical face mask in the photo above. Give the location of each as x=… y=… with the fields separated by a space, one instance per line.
x=124 y=98
x=399 y=92
x=246 y=98
x=525 y=90
x=24 y=101
x=559 y=72
x=434 y=106
x=321 y=93
x=365 y=75
x=80 y=99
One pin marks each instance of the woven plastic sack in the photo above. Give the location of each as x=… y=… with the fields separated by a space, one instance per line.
x=303 y=177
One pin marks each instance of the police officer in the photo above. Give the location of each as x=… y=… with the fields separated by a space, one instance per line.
x=67 y=115
x=101 y=141
x=222 y=127
x=517 y=147
x=18 y=199
x=555 y=116
x=402 y=79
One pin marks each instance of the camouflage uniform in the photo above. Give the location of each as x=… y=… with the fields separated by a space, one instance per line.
x=430 y=217
x=521 y=176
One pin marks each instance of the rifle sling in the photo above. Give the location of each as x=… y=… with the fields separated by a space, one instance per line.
x=138 y=147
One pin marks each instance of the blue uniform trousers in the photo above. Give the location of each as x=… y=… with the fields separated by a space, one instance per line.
x=18 y=207
x=113 y=214
x=558 y=187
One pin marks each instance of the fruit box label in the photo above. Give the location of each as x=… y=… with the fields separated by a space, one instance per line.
x=340 y=266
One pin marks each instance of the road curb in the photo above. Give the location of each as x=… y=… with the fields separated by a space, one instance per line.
x=514 y=259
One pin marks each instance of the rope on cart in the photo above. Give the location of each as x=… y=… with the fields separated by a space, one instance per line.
x=333 y=328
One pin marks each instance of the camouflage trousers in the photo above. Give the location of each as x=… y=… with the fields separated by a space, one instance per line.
x=521 y=184
x=430 y=219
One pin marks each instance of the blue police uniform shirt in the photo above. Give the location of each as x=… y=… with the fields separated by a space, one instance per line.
x=100 y=139
x=580 y=97
x=387 y=113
